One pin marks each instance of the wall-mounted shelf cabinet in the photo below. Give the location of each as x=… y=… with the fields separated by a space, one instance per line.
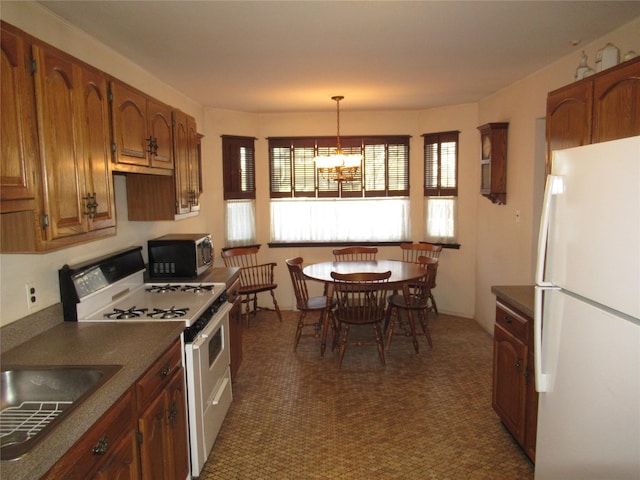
x=493 y=161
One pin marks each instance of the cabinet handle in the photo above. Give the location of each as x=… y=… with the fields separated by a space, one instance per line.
x=165 y=371
x=508 y=319
x=91 y=205
x=153 y=145
x=173 y=413
x=518 y=363
x=101 y=447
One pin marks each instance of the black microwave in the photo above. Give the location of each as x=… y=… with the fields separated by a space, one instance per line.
x=180 y=255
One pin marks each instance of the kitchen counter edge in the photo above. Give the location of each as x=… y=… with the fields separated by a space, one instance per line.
x=518 y=296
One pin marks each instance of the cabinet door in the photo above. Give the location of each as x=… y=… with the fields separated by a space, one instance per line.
x=187 y=171
x=160 y=129
x=18 y=133
x=569 y=112
x=509 y=388
x=96 y=137
x=617 y=103
x=181 y=142
x=57 y=87
x=235 y=335
x=178 y=430
x=532 y=410
x=123 y=463
x=129 y=118
x=154 y=462
x=194 y=164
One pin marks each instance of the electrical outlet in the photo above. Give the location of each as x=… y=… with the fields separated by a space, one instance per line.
x=32 y=295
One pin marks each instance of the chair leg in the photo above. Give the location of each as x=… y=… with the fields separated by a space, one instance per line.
x=392 y=312
x=424 y=318
x=275 y=305
x=299 y=329
x=433 y=303
x=378 y=334
x=342 y=344
x=412 y=327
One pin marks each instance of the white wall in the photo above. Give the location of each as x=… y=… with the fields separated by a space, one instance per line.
x=494 y=249
x=504 y=247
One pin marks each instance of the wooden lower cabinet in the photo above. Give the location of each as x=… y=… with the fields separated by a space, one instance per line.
x=142 y=436
x=163 y=432
x=108 y=450
x=514 y=398
x=235 y=328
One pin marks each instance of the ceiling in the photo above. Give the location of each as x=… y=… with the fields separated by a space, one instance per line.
x=292 y=56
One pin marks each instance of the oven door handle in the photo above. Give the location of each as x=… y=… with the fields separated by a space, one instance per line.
x=219 y=392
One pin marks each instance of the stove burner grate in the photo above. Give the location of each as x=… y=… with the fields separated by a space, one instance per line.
x=119 y=313
x=197 y=288
x=163 y=288
x=172 y=312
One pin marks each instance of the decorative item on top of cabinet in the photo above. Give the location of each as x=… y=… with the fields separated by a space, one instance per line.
x=142 y=132
x=602 y=107
x=493 y=163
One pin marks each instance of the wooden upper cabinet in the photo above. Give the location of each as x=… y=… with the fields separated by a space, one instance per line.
x=187 y=164
x=73 y=126
x=616 y=111
x=96 y=141
x=603 y=107
x=160 y=129
x=142 y=132
x=18 y=141
x=569 y=112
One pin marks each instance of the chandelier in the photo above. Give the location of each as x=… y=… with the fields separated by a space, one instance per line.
x=339 y=166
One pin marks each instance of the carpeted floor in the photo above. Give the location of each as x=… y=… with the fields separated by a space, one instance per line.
x=424 y=416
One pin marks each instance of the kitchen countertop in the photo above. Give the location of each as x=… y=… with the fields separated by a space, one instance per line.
x=518 y=296
x=134 y=345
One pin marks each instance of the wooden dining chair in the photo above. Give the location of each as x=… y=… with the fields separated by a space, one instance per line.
x=414 y=302
x=306 y=304
x=353 y=254
x=412 y=251
x=255 y=278
x=361 y=300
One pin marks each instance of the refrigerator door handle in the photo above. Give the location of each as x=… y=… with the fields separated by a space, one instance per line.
x=554 y=186
x=544 y=378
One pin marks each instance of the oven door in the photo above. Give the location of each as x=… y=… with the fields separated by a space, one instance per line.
x=209 y=386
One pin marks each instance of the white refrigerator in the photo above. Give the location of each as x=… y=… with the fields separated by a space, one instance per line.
x=587 y=315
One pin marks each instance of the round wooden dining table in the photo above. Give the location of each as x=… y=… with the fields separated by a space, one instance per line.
x=402 y=273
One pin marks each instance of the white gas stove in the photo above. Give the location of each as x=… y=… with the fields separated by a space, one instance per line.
x=112 y=289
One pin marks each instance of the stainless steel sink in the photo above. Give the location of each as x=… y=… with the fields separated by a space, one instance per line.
x=34 y=399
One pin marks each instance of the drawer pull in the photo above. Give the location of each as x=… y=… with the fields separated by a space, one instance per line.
x=101 y=447
x=165 y=371
x=508 y=319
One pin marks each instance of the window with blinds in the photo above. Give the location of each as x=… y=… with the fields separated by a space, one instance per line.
x=441 y=186
x=238 y=167
x=384 y=171
x=239 y=183
x=441 y=164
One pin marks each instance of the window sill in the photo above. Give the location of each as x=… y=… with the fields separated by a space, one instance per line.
x=454 y=246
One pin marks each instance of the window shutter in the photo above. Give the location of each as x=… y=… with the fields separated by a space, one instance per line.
x=280 y=154
x=238 y=167
x=304 y=168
